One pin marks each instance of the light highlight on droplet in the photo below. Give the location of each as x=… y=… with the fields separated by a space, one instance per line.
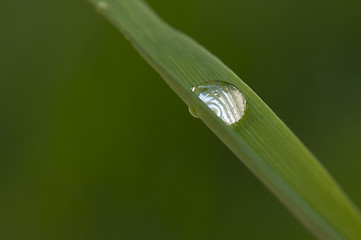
x=224 y=99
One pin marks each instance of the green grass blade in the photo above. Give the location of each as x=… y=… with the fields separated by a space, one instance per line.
x=260 y=139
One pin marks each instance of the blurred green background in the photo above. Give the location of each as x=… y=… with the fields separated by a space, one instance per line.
x=94 y=144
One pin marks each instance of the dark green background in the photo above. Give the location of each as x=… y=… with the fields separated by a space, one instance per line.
x=94 y=145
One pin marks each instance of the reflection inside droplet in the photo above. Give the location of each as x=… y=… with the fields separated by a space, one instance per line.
x=224 y=99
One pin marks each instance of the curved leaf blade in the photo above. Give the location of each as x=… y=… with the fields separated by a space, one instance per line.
x=261 y=140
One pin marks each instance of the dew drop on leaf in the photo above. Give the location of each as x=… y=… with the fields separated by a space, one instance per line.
x=223 y=98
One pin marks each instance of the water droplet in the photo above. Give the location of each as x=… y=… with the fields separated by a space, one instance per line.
x=193 y=112
x=224 y=99
x=102 y=5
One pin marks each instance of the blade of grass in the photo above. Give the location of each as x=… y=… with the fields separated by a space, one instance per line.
x=261 y=140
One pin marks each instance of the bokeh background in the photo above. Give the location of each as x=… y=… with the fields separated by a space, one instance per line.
x=94 y=144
